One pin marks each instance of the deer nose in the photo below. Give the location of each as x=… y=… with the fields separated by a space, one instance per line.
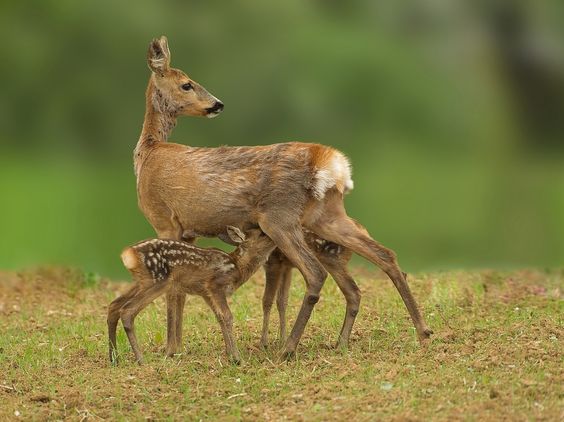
x=216 y=108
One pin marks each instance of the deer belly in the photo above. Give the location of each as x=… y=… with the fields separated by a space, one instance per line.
x=212 y=223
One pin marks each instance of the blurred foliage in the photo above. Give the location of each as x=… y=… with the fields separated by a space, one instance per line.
x=451 y=112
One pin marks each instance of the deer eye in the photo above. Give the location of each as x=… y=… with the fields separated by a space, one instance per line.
x=187 y=87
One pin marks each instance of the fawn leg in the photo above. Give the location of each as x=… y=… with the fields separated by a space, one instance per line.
x=282 y=298
x=289 y=238
x=337 y=227
x=113 y=318
x=272 y=281
x=135 y=305
x=338 y=270
x=218 y=303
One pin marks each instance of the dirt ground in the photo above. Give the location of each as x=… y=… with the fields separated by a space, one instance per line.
x=496 y=353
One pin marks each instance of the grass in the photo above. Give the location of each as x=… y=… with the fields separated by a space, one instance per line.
x=496 y=353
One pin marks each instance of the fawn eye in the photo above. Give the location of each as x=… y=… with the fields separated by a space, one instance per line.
x=187 y=87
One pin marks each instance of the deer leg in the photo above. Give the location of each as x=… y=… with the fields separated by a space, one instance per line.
x=113 y=319
x=130 y=310
x=282 y=299
x=218 y=303
x=179 y=317
x=171 y=229
x=171 y=325
x=272 y=269
x=341 y=229
x=338 y=270
x=289 y=238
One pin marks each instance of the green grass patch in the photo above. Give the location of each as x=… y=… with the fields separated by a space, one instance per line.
x=496 y=353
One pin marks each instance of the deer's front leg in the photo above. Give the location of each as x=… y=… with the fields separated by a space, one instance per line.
x=170 y=228
x=171 y=325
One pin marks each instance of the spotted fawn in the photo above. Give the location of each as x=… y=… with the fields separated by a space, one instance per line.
x=159 y=266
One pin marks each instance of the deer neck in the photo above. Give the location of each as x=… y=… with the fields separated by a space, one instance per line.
x=160 y=120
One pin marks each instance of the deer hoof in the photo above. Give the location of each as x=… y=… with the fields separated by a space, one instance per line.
x=235 y=360
x=342 y=345
x=425 y=337
x=288 y=355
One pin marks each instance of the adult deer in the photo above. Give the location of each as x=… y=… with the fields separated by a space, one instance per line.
x=188 y=192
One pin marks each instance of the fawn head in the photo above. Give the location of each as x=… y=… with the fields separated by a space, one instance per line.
x=253 y=241
x=179 y=94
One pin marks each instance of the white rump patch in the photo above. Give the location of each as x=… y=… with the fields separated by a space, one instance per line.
x=337 y=172
x=129 y=258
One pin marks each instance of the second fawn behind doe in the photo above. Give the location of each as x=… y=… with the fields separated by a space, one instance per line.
x=160 y=266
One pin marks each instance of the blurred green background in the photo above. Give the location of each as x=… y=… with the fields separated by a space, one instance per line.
x=452 y=113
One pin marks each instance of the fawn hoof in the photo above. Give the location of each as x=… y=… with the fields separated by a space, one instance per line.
x=263 y=343
x=288 y=355
x=341 y=345
x=170 y=353
x=235 y=360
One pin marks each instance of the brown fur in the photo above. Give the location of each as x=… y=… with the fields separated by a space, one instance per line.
x=161 y=266
x=186 y=192
x=334 y=259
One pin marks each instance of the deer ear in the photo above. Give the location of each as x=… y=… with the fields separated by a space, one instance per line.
x=158 y=56
x=235 y=234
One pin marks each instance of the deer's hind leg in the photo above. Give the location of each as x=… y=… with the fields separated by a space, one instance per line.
x=288 y=236
x=337 y=227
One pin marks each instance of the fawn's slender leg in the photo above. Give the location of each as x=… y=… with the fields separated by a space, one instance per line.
x=113 y=318
x=135 y=305
x=282 y=299
x=218 y=303
x=338 y=270
x=337 y=227
x=289 y=238
x=273 y=274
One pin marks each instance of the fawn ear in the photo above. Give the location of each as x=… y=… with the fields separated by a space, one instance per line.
x=158 y=56
x=235 y=234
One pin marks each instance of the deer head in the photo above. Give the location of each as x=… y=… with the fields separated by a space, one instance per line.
x=175 y=92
